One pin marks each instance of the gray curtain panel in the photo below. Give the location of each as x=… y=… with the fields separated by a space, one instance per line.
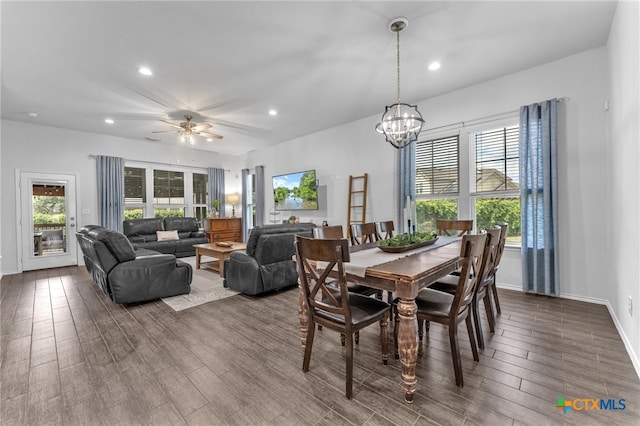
x=406 y=181
x=539 y=197
x=216 y=188
x=110 y=173
x=259 y=191
x=245 y=212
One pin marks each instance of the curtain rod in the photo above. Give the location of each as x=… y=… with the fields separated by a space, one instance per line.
x=483 y=120
x=93 y=156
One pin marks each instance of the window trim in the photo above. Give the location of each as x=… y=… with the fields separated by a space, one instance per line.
x=465 y=131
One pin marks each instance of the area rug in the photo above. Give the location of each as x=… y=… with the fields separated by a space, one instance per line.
x=206 y=287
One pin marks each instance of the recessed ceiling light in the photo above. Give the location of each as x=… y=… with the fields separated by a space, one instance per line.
x=273 y=112
x=145 y=71
x=209 y=140
x=32 y=114
x=109 y=120
x=434 y=66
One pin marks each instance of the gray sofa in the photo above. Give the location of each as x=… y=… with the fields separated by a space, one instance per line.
x=127 y=275
x=266 y=265
x=143 y=234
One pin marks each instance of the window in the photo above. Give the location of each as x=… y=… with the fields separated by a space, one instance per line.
x=437 y=166
x=437 y=181
x=200 y=194
x=158 y=192
x=135 y=192
x=474 y=174
x=168 y=193
x=497 y=174
x=497 y=160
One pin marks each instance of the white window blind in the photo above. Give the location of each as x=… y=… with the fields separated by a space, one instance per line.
x=168 y=187
x=437 y=166
x=497 y=160
x=135 y=188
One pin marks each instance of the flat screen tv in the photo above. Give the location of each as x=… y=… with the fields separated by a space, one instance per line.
x=296 y=191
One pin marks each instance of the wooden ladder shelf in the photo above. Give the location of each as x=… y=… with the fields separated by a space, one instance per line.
x=357 y=211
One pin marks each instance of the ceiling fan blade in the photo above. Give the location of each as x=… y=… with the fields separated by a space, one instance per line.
x=238 y=126
x=200 y=127
x=209 y=135
x=165 y=131
x=171 y=124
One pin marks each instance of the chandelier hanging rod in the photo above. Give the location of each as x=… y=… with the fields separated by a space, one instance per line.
x=401 y=123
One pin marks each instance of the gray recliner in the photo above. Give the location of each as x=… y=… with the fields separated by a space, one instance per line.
x=127 y=275
x=267 y=264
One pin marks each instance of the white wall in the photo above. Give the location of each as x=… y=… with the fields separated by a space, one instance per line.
x=623 y=256
x=34 y=148
x=355 y=148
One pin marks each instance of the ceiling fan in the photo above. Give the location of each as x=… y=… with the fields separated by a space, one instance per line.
x=189 y=130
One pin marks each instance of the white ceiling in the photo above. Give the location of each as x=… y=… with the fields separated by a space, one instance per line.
x=320 y=64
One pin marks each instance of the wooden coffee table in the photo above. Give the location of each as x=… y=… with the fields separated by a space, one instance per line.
x=219 y=252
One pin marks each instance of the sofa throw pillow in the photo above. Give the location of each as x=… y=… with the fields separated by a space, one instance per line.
x=167 y=235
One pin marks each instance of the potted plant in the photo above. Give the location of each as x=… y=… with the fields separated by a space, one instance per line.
x=214 y=208
x=292 y=219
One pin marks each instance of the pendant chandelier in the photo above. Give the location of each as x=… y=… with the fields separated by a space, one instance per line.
x=401 y=123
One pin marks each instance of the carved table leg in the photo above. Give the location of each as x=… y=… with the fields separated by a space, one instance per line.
x=302 y=315
x=408 y=346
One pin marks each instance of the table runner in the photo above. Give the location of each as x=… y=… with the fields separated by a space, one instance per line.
x=364 y=259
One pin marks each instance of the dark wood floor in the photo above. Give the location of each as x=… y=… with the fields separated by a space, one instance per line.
x=71 y=356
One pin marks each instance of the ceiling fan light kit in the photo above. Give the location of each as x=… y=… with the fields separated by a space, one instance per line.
x=401 y=123
x=187 y=130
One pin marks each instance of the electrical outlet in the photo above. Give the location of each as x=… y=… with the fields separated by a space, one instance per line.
x=630 y=306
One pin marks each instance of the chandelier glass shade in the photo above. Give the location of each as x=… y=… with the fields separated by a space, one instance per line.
x=187 y=135
x=401 y=123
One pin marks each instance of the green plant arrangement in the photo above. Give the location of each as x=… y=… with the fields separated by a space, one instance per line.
x=214 y=208
x=403 y=240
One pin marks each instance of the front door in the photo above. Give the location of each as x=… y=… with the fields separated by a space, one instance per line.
x=47 y=220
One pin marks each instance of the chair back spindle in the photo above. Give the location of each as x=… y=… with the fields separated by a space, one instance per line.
x=385 y=230
x=362 y=233
x=454 y=227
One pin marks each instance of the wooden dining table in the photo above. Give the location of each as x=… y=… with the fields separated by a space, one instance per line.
x=405 y=276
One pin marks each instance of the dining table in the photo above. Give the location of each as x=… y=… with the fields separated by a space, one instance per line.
x=405 y=274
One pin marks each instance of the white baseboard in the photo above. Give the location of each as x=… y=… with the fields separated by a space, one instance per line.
x=627 y=344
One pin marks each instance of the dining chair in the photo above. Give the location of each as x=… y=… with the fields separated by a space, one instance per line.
x=449 y=284
x=504 y=227
x=341 y=311
x=454 y=227
x=328 y=232
x=385 y=230
x=335 y=232
x=450 y=310
x=362 y=233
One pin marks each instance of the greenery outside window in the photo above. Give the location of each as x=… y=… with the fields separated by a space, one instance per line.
x=428 y=211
